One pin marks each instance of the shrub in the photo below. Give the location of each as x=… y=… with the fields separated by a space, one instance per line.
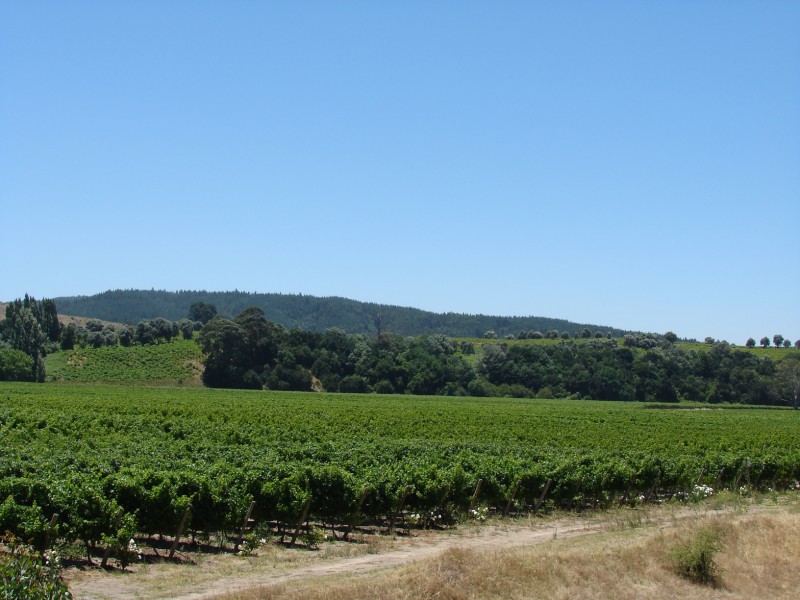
x=25 y=575
x=384 y=387
x=353 y=384
x=15 y=365
x=694 y=559
x=312 y=537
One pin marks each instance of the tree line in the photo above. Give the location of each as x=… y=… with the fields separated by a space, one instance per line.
x=30 y=329
x=250 y=352
x=777 y=339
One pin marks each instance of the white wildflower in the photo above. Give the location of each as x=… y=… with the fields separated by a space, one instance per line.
x=479 y=514
x=702 y=491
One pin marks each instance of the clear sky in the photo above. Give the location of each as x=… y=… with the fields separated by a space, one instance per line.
x=633 y=164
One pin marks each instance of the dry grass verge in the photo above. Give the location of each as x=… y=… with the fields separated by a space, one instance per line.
x=623 y=553
x=759 y=559
x=198 y=571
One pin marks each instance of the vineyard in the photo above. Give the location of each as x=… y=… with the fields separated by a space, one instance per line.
x=176 y=362
x=114 y=461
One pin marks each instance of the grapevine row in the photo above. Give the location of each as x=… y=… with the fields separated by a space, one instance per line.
x=111 y=462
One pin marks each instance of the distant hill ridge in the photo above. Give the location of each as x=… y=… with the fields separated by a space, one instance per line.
x=308 y=312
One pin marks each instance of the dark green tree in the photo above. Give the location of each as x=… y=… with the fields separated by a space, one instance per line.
x=750 y=343
x=94 y=325
x=44 y=312
x=224 y=343
x=24 y=333
x=787 y=380
x=354 y=384
x=202 y=312
x=126 y=335
x=764 y=341
x=15 y=365
x=152 y=331
x=69 y=336
x=263 y=338
x=186 y=327
x=51 y=326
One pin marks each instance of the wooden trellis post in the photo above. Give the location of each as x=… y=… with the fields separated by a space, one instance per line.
x=700 y=477
x=475 y=495
x=540 y=501
x=302 y=520
x=53 y=521
x=244 y=525
x=512 y=498
x=180 y=530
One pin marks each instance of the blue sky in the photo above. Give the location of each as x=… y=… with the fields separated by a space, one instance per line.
x=633 y=164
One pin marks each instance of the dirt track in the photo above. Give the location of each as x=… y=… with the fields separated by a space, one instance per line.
x=489 y=537
x=100 y=585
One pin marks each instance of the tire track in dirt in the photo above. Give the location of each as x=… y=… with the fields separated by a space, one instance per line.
x=395 y=558
x=488 y=537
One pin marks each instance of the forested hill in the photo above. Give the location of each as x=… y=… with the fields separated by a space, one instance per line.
x=308 y=312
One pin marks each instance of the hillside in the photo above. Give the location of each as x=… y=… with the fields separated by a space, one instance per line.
x=308 y=312
x=175 y=363
x=80 y=321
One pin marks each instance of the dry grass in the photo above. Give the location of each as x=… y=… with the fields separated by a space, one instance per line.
x=200 y=571
x=620 y=553
x=67 y=319
x=81 y=321
x=759 y=559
